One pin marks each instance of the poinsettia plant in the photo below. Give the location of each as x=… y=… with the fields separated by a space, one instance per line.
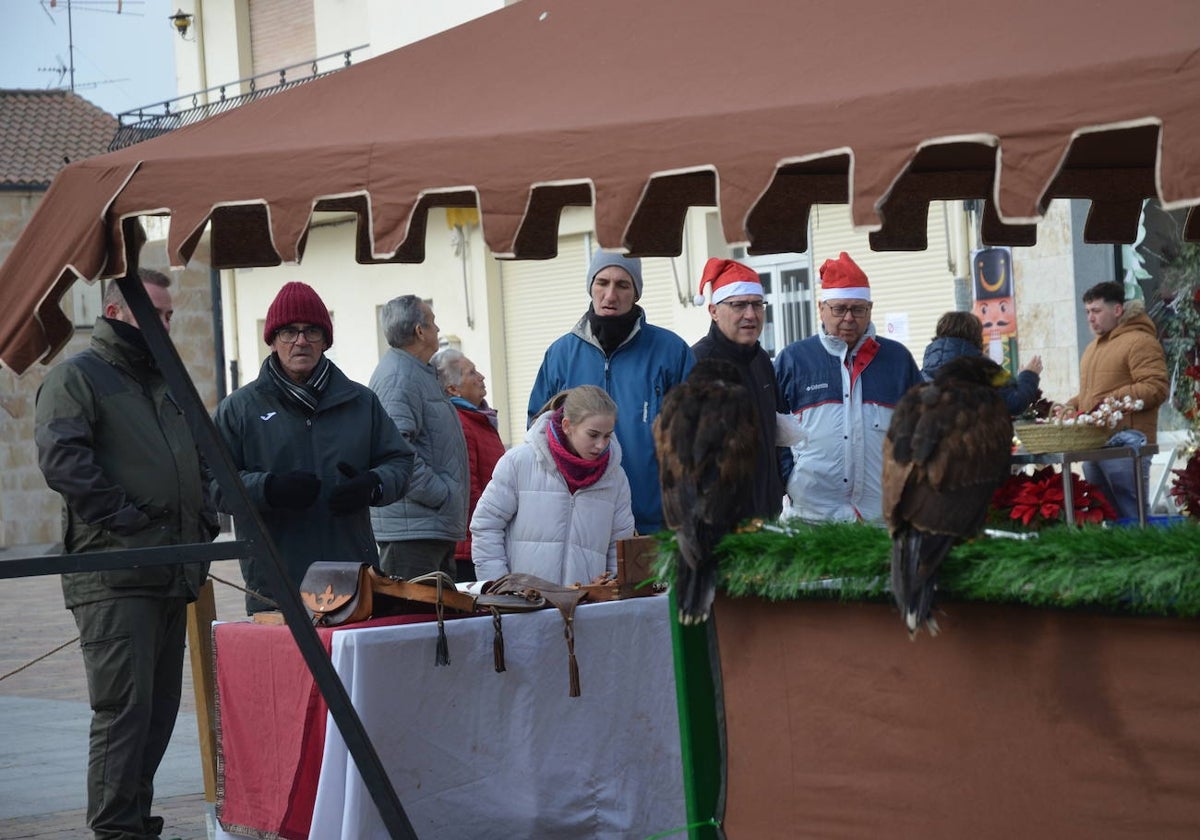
x=1178 y=315
x=1031 y=501
x=1186 y=488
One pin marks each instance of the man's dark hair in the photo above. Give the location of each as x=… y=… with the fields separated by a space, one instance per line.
x=964 y=325
x=1109 y=292
x=148 y=276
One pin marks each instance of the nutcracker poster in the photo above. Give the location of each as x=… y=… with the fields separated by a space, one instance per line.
x=996 y=303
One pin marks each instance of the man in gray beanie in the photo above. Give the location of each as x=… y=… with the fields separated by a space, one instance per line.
x=614 y=348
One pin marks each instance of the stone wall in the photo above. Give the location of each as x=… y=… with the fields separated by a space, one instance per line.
x=1044 y=283
x=30 y=513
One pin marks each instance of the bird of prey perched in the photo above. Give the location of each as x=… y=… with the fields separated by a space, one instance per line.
x=947 y=449
x=706 y=439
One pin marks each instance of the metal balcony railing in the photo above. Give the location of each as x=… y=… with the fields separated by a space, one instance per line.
x=161 y=117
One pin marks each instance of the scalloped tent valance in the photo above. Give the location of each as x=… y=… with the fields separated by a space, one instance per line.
x=643 y=108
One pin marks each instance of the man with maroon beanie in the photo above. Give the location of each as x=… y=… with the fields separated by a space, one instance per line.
x=314 y=449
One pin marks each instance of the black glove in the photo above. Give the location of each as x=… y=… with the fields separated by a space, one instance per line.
x=295 y=490
x=358 y=491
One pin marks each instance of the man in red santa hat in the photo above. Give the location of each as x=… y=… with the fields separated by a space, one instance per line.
x=738 y=315
x=843 y=385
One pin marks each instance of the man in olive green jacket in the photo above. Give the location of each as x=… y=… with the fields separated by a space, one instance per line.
x=116 y=446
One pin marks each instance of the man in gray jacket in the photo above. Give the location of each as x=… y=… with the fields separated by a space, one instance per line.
x=116 y=446
x=313 y=448
x=417 y=534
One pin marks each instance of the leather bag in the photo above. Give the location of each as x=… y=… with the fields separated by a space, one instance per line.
x=337 y=593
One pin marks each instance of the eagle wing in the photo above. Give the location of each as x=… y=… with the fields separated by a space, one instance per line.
x=946 y=452
x=947 y=449
x=706 y=440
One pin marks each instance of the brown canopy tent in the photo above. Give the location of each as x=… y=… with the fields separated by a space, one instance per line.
x=643 y=107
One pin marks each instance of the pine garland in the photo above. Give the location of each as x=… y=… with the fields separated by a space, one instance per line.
x=1145 y=571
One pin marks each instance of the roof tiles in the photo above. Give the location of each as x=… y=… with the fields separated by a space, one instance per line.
x=42 y=130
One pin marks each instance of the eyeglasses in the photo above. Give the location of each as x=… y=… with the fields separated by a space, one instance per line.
x=859 y=310
x=289 y=335
x=740 y=306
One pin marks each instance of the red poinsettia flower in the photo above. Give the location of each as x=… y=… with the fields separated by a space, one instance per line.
x=1040 y=496
x=1036 y=499
x=1186 y=487
x=1090 y=504
x=1006 y=494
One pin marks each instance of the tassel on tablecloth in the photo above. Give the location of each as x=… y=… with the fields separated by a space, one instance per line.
x=572 y=665
x=442 y=657
x=497 y=642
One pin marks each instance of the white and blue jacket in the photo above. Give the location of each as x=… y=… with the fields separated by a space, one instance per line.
x=844 y=398
x=528 y=521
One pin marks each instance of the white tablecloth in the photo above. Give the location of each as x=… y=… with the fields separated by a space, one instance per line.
x=477 y=754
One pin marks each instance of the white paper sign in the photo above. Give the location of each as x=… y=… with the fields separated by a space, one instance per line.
x=895 y=326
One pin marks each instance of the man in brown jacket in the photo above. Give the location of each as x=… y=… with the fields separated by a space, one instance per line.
x=1125 y=359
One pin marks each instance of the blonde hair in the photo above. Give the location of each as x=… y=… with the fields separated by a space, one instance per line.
x=580 y=403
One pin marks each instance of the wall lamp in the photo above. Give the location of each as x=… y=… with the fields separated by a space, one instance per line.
x=182 y=22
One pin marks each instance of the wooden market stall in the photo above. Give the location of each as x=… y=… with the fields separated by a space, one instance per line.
x=761 y=111
x=1059 y=700
x=1015 y=722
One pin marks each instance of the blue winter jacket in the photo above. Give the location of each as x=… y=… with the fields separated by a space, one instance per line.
x=1018 y=394
x=637 y=376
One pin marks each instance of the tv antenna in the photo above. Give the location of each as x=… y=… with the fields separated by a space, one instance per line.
x=61 y=69
x=115 y=7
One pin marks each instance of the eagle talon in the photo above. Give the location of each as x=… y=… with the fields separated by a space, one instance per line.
x=750 y=526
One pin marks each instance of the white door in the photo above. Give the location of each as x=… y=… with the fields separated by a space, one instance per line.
x=790 y=295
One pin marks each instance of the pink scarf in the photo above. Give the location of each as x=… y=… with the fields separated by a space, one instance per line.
x=579 y=472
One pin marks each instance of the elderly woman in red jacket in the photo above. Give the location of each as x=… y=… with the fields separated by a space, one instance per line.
x=463 y=384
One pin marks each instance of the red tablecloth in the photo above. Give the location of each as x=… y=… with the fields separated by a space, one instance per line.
x=266 y=786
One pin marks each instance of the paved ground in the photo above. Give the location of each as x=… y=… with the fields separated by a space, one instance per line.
x=44 y=718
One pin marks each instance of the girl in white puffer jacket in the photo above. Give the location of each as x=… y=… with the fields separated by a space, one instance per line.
x=558 y=503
